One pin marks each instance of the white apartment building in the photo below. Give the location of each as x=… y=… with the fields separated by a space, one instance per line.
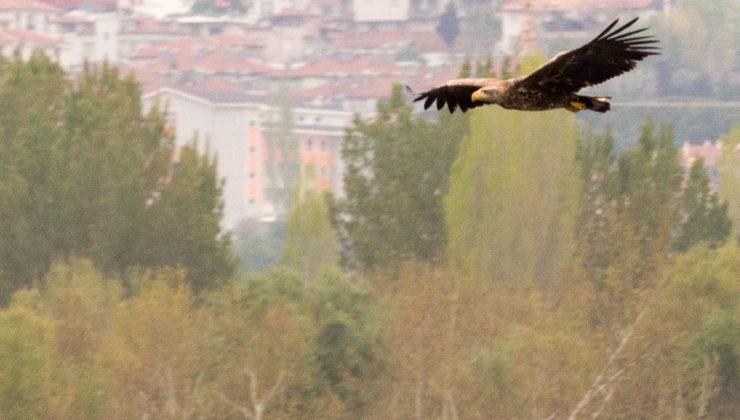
x=232 y=126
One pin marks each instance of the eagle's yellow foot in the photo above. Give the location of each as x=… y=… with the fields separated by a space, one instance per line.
x=575 y=106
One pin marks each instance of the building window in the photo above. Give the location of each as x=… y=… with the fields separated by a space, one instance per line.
x=323 y=145
x=286 y=44
x=267 y=8
x=171 y=118
x=251 y=201
x=252 y=175
x=252 y=149
x=309 y=145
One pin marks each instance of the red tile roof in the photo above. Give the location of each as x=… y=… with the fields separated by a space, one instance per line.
x=25 y=37
x=219 y=62
x=25 y=5
x=336 y=67
x=210 y=55
x=708 y=151
x=359 y=89
x=68 y=4
x=390 y=39
x=575 y=5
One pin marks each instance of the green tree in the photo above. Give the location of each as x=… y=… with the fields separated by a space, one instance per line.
x=485 y=68
x=311 y=246
x=465 y=68
x=596 y=159
x=27 y=365
x=32 y=102
x=513 y=157
x=649 y=186
x=705 y=216
x=635 y=197
x=182 y=226
x=347 y=348
x=153 y=352
x=729 y=168
x=82 y=174
x=80 y=302
x=283 y=149
x=397 y=174
x=310 y=348
x=684 y=354
x=110 y=163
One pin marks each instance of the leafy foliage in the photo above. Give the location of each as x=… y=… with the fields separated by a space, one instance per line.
x=614 y=292
x=729 y=168
x=397 y=168
x=508 y=158
x=311 y=246
x=85 y=173
x=705 y=216
x=284 y=148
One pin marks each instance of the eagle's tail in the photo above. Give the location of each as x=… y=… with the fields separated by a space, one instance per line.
x=594 y=103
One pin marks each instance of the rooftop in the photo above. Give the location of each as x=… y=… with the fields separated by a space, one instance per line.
x=327 y=67
x=25 y=37
x=574 y=5
x=25 y=5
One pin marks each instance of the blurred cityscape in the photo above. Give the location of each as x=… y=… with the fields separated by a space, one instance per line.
x=217 y=65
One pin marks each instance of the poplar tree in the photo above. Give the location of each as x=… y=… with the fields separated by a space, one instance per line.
x=705 y=216
x=311 y=246
x=510 y=209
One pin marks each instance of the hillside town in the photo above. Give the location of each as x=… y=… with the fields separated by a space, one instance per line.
x=216 y=66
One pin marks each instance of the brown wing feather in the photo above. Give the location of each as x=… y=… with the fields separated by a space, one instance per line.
x=608 y=55
x=455 y=93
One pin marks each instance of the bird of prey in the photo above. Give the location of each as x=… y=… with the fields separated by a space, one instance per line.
x=555 y=83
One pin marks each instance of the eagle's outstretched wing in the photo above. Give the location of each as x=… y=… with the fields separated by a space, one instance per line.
x=454 y=93
x=608 y=55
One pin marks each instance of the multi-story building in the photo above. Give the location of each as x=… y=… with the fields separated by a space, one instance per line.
x=27 y=15
x=234 y=125
x=25 y=43
x=525 y=21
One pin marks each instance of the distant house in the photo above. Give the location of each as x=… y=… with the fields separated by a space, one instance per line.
x=709 y=153
x=525 y=21
x=28 y=16
x=290 y=35
x=88 y=36
x=25 y=43
x=379 y=13
x=233 y=126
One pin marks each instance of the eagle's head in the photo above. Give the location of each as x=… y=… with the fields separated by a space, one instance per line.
x=488 y=94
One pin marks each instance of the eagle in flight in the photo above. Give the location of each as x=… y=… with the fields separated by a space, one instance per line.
x=555 y=83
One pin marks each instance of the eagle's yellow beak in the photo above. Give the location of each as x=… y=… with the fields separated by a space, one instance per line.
x=478 y=96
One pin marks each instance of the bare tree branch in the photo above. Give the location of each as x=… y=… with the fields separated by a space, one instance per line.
x=242 y=409
x=276 y=387
x=708 y=384
x=600 y=383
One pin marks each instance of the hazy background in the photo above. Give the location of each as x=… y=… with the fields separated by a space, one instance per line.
x=232 y=209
